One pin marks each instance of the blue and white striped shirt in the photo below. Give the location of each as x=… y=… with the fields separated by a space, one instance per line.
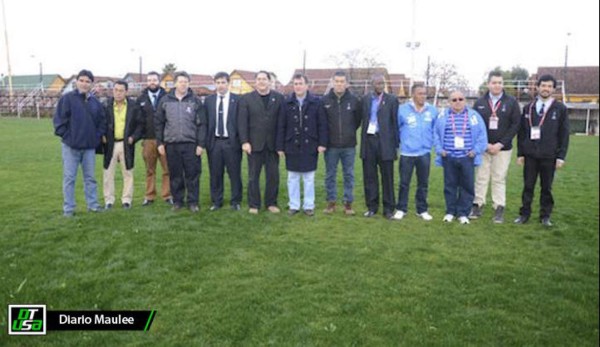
x=461 y=128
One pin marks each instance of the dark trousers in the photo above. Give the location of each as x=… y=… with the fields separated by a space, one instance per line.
x=545 y=169
x=256 y=161
x=459 y=185
x=371 y=161
x=184 y=169
x=220 y=157
x=407 y=166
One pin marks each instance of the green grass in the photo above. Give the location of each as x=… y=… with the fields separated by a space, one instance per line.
x=228 y=278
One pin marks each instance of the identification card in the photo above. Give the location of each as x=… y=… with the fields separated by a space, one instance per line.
x=372 y=129
x=493 y=123
x=536 y=133
x=459 y=142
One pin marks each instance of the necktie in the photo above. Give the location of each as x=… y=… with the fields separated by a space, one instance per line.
x=154 y=98
x=220 y=127
x=541 y=113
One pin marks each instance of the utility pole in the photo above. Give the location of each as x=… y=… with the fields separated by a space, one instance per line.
x=564 y=86
x=10 y=86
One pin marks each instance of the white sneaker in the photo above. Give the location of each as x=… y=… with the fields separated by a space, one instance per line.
x=463 y=220
x=448 y=218
x=425 y=216
x=398 y=215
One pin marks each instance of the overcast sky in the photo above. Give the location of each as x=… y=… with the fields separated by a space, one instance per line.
x=209 y=36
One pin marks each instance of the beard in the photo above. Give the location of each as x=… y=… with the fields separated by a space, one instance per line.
x=153 y=89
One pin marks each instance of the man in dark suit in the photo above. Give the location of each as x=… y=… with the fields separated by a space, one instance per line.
x=223 y=143
x=257 y=126
x=379 y=147
x=119 y=144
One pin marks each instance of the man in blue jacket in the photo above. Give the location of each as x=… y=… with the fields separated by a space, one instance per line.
x=80 y=122
x=460 y=139
x=416 y=121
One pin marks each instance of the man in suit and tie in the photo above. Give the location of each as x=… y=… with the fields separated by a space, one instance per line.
x=147 y=103
x=222 y=143
x=257 y=127
x=379 y=147
x=119 y=144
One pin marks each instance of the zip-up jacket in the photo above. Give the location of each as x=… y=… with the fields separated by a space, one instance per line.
x=554 y=140
x=79 y=120
x=343 y=118
x=509 y=119
x=182 y=121
x=416 y=129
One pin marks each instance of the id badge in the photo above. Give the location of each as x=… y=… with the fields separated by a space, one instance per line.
x=372 y=129
x=493 y=123
x=459 y=142
x=536 y=133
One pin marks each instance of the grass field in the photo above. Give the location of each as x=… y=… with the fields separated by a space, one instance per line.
x=229 y=278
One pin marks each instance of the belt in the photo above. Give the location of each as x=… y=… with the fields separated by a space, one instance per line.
x=221 y=138
x=121 y=140
x=373 y=135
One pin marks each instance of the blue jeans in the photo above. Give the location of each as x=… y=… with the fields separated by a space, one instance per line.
x=332 y=157
x=293 y=182
x=459 y=185
x=72 y=158
x=407 y=166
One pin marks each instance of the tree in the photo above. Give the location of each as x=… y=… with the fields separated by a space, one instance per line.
x=515 y=80
x=447 y=77
x=365 y=60
x=169 y=68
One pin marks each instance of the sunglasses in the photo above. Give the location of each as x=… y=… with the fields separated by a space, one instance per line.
x=457 y=99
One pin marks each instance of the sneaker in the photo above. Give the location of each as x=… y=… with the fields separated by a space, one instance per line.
x=521 y=219
x=309 y=213
x=253 y=210
x=546 y=222
x=236 y=207
x=425 y=216
x=369 y=214
x=448 y=218
x=499 y=215
x=108 y=206
x=476 y=211
x=292 y=212
x=348 y=209
x=330 y=208
x=398 y=215
x=463 y=220
x=169 y=201
x=147 y=202
x=194 y=209
x=126 y=205
x=96 y=209
x=273 y=209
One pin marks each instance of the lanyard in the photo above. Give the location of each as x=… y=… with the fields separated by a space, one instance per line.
x=543 y=115
x=464 y=124
x=494 y=108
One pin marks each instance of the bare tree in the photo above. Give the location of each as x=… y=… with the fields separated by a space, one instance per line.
x=357 y=59
x=447 y=76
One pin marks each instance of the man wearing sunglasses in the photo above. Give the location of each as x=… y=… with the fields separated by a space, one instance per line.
x=460 y=139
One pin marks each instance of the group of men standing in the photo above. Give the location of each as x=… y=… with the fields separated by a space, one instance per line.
x=177 y=128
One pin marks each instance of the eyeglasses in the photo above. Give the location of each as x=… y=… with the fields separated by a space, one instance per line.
x=457 y=99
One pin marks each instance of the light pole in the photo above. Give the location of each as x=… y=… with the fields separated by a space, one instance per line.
x=41 y=73
x=140 y=78
x=564 y=86
x=413 y=45
x=10 y=86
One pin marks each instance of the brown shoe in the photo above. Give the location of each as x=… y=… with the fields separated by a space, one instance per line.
x=330 y=207
x=273 y=209
x=253 y=210
x=348 y=209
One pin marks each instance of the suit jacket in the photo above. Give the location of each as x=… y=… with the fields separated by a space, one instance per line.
x=388 y=126
x=210 y=109
x=257 y=124
x=133 y=128
x=146 y=112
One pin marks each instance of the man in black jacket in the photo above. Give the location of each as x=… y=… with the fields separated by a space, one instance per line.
x=343 y=113
x=147 y=103
x=257 y=127
x=223 y=143
x=124 y=131
x=502 y=116
x=379 y=147
x=542 y=142
x=180 y=125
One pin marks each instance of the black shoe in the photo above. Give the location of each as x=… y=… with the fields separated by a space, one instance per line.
x=521 y=220
x=126 y=205
x=476 y=211
x=169 y=201
x=546 y=222
x=499 y=215
x=309 y=213
x=147 y=202
x=176 y=207
x=388 y=215
x=369 y=214
x=292 y=212
x=214 y=208
x=236 y=207
x=194 y=208
x=108 y=206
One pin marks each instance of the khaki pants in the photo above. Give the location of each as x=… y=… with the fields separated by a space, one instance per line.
x=151 y=156
x=496 y=168
x=109 y=177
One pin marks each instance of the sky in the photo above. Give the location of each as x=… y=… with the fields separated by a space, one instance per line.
x=205 y=37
